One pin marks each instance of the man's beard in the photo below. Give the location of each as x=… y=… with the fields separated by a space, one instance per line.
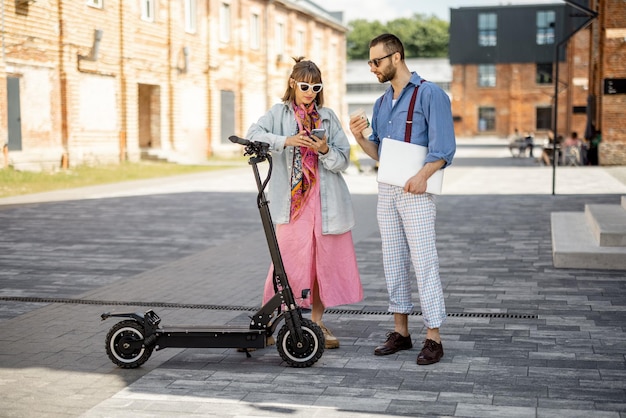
x=387 y=75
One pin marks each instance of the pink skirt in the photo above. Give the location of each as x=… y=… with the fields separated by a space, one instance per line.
x=308 y=256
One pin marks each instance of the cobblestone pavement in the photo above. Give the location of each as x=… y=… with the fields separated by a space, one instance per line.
x=522 y=339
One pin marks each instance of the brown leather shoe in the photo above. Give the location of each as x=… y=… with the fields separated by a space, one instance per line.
x=431 y=353
x=395 y=342
x=330 y=341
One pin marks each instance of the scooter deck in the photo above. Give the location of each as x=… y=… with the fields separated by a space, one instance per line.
x=202 y=336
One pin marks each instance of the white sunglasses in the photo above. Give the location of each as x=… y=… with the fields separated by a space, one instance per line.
x=316 y=88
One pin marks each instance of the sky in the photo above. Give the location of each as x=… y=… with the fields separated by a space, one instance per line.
x=385 y=10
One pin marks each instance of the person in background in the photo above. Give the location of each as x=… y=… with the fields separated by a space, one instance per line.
x=574 y=150
x=515 y=143
x=592 y=154
x=529 y=144
x=406 y=215
x=308 y=197
x=548 y=148
x=572 y=140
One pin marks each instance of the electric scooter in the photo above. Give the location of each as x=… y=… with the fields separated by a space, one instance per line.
x=300 y=341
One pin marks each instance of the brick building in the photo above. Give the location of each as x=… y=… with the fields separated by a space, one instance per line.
x=504 y=61
x=96 y=81
x=607 y=75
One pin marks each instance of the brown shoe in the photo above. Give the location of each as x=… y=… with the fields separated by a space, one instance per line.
x=431 y=353
x=395 y=342
x=331 y=340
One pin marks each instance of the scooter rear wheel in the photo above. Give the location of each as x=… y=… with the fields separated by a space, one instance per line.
x=124 y=345
x=306 y=353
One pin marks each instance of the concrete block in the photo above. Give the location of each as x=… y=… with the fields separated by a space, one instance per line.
x=574 y=246
x=608 y=224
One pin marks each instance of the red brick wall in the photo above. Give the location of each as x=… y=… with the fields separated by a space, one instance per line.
x=515 y=98
x=608 y=60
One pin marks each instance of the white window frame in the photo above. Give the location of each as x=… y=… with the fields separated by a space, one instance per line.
x=191 y=16
x=317 y=50
x=546 y=21
x=255 y=31
x=98 y=4
x=487 y=29
x=148 y=10
x=487 y=75
x=300 y=48
x=280 y=38
x=225 y=22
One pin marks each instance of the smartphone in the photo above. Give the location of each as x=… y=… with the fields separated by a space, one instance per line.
x=318 y=133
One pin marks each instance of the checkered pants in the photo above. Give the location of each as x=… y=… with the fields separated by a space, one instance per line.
x=407 y=229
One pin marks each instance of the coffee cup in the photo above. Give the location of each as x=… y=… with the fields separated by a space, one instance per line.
x=360 y=113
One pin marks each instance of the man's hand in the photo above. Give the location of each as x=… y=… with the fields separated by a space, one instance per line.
x=416 y=184
x=356 y=127
x=419 y=182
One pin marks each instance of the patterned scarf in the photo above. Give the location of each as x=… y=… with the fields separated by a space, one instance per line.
x=304 y=172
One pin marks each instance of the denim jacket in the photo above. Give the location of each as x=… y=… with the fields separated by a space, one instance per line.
x=273 y=128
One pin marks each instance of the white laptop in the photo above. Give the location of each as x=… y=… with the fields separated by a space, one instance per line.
x=401 y=160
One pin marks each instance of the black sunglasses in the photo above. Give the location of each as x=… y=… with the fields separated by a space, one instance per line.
x=376 y=61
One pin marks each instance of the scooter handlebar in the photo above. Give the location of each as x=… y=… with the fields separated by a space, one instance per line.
x=235 y=139
x=252 y=147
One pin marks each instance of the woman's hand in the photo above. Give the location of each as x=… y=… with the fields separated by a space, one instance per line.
x=301 y=139
x=320 y=144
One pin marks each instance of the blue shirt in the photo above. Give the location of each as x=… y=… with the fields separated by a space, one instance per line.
x=432 y=119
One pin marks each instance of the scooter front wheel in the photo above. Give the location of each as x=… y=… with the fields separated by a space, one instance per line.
x=125 y=345
x=305 y=353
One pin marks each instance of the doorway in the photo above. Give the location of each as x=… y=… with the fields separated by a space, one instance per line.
x=149 y=114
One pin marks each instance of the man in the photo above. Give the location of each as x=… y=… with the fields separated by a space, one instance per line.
x=406 y=215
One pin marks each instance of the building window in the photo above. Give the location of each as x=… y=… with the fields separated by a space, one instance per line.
x=255 y=31
x=96 y=3
x=544 y=118
x=545 y=28
x=147 y=10
x=317 y=49
x=332 y=63
x=487 y=75
x=486 y=119
x=191 y=12
x=280 y=38
x=225 y=22
x=487 y=29
x=300 y=43
x=544 y=73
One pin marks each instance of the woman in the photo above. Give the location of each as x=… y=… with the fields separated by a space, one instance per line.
x=308 y=198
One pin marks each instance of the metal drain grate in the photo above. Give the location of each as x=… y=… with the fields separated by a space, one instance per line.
x=128 y=303
x=246 y=308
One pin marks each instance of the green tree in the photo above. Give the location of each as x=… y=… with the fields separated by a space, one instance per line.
x=359 y=36
x=423 y=36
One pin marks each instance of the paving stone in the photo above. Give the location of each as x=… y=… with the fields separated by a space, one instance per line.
x=127 y=253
